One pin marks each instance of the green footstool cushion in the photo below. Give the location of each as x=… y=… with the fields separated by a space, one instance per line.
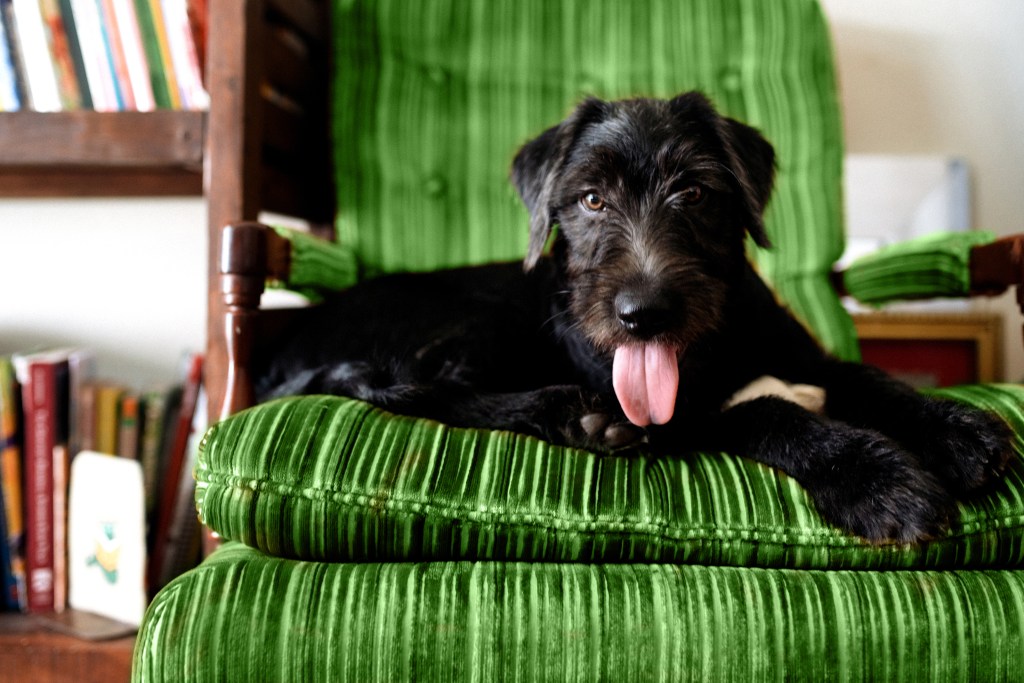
x=329 y=478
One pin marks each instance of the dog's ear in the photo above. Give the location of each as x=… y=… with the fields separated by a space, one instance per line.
x=753 y=163
x=536 y=168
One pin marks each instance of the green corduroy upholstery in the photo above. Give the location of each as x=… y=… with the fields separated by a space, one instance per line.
x=317 y=265
x=245 y=616
x=329 y=478
x=929 y=267
x=439 y=554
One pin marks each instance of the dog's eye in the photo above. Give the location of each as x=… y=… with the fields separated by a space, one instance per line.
x=592 y=201
x=692 y=195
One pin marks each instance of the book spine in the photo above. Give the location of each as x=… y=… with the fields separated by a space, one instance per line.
x=115 y=55
x=183 y=541
x=155 y=410
x=98 y=70
x=9 y=98
x=42 y=81
x=172 y=473
x=134 y=54
x=75 y=52
x=108 y=401
x=129 y=425
x=151 y=46
x=60 y=55
x=183 y=55
x=38 y=399
x=198 y=19
x=61 y=463
x=164 y=52
x=10 y=486
x=17 y=56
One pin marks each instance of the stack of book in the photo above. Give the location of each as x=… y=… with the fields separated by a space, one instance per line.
x=51 y=409
x=105 y=55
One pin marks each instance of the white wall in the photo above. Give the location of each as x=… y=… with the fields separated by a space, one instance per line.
x=126 y=278
x=942 y=76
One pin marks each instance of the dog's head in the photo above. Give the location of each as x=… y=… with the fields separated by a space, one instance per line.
x=653 y=200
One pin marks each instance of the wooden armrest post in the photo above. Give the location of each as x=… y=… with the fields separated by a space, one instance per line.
x=243 y=273
x=999 y=265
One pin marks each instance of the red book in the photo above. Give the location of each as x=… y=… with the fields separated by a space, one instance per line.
x=44 y=381
x=173 y=472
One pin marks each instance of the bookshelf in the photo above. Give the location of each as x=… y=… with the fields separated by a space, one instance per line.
x=34 y=652
x=101 y=154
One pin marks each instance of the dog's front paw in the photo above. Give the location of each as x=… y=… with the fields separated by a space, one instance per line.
x=966 y=447
x=606 y=432
x=573 y=416
x=875 y=489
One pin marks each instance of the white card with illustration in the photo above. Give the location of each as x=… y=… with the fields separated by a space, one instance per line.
x=107 y=542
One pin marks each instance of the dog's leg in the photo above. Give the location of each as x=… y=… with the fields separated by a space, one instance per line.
x=859 y=479
x=964 y=446
x=565 y=414
x=568 y=414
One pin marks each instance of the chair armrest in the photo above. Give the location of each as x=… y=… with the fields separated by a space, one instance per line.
x=929 y=267
x=998 y=265
x=976 y=264
x=251 y=256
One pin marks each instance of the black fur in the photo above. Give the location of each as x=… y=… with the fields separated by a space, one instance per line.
x=652 y=200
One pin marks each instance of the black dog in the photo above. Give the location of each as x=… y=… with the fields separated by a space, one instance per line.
x=641 y=324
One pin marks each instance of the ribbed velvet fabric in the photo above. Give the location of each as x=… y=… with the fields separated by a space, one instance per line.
x=328 y=478
x=245 y=616
x=318 y=265
x=433 y=99
x=928 y=267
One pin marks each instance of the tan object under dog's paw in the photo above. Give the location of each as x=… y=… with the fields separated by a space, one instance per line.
x=807 y=396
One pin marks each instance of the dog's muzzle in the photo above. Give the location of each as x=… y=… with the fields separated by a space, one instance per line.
x=645 y=373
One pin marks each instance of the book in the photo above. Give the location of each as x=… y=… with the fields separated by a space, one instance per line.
x=58 y=45
x=44 y=384
x=129 y=426
x=115 y=55
x=155 y=410
x=158 y=55
x=108 y=405
x=75 y=52
x=43 y=94
x=172 y=474
x=10 y=100
x=8 y=584
x=98 y=66
x=198 y=19
x=134 y=54
x=184 y=61
x=82 y=369
x=15 y=53
x=184 y=542
x=13 y=535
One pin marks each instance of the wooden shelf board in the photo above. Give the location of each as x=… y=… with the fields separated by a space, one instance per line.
x=90 y=154
x=34 y=653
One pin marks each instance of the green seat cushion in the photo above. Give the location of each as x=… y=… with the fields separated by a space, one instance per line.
x=244 y=616
x=328 y=478
x=928 y=267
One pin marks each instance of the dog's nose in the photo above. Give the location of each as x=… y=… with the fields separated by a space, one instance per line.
x=643 y=313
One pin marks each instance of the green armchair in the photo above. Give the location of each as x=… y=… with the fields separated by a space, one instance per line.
x=364 y=546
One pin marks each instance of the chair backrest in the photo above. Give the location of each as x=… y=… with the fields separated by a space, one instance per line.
x=432 y=99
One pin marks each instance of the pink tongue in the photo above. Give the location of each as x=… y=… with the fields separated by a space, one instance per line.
x=646 y=379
